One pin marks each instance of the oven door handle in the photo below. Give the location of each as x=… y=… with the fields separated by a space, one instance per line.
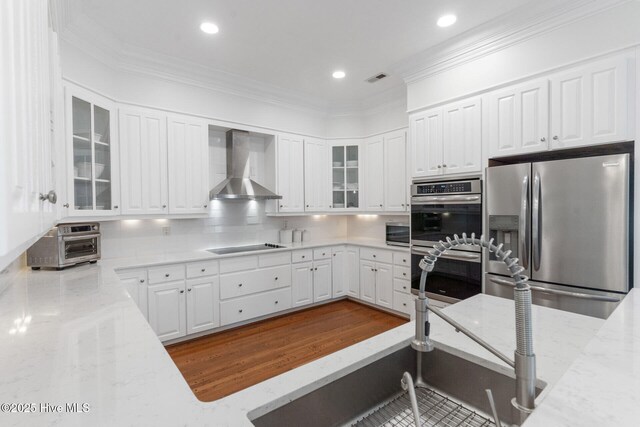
x=504 y=282
x=470 y=199
x=76 y=238
x=450 y=255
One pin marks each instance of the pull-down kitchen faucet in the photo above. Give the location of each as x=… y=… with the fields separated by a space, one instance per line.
x=524 y=363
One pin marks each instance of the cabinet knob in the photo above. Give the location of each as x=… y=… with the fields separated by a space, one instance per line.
x=164 y=206
x=444 y=166
x=316 y=269
x=372 y=269
x=182 y=291
x=323 y=253
x=276 y=277
x=404 y=260
x=141 y=280
x=376 y=269
x=203 y=270
x=276 y=302
x=404 y=303
x=543 y=139
x=307 y=205
x=311 y=269
x=189 y=289
x=380 y=205
x=205 y=206
x=439 y=167
x=240 y=311
x=404 y=274
x=302 y=256
x=50 y=197
x=330 y=206
x=404 y=287
x=115 y=207
x=239 y=285
x=374 y=255
x=334 y=254
x=555 y=137
x=66 y=205
x=281 y=206
x=166 y=275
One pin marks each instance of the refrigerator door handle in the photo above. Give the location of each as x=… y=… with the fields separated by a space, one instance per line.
x=505 y=282
x=535 y=221
x=524 y=215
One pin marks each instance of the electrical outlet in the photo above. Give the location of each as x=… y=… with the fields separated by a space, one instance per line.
x=166 y=230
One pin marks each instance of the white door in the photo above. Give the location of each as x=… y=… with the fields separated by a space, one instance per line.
x=135 y=282
x=589 y=104
x=321 y=280
x=368 y=281
x=202 y=304
x=143 y=162
x=290 y=173
x=426 y=143
x=316 y=179
x=384 y=285
x=396 y=184
x=167 y=310
x=338 y=272
x=462 y=148
x=519 y=119
x=374 y=173
x=353 y=272
x=302 y=284
x=188 y=165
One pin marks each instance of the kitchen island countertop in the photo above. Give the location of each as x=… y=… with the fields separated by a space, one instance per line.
x=76 y=337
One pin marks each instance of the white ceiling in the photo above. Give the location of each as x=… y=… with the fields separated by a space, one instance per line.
x=293 y=44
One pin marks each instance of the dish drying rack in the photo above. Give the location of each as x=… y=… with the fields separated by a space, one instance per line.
x=435 y=410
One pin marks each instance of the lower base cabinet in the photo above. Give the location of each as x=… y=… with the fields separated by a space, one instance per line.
x=245 y=308
x=368 y=281
x=404 y=303
x=322 y=280
x=376 y=283
x=302 y=284
x=202 y=304
x=167 y=310
x=352 y=260
x=135 y=282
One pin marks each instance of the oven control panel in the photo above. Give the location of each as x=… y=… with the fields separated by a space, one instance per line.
x=444 y=188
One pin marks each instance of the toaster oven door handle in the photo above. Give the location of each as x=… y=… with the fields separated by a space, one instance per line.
x=76 y=238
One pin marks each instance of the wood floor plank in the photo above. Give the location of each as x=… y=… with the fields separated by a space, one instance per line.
x=217 y=365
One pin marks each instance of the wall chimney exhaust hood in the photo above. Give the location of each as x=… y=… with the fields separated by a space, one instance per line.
x=238 y=185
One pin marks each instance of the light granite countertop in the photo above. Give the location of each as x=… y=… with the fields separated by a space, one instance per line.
x=76 y=337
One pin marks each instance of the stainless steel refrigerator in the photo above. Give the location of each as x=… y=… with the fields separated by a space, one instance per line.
x=568 y=221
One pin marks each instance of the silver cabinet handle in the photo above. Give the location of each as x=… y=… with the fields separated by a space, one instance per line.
x=504 y=282
x=276 y=302
x=66 y=205
x=404 y=274
x=439 y=167
x=543 y=139
x=166 y=275
x=115 y=207
x=182 y=291
x=240 y=311
x=164 y=206
x=141 y=280
x=535 y=221
x=239 y=285
x=555 y=137
x=444 y=166
x=203 y=270
x=50 y=197
x=189 y=289
x=524 y=215
x=276 y=277
x=374 y=255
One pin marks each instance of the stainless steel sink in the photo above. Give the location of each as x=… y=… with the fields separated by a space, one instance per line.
x=372 y=395
x=249 y=248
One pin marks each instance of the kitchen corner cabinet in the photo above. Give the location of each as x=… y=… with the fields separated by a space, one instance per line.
x=447 y=140
x=589 y=104
x=143 y=162
x=316 y=178
x=519 y=119
x=92 y=149
x=188 y=165
x=346 y=176
x=290 y=173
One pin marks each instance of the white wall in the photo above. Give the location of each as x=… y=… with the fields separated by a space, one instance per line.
x=613 y=29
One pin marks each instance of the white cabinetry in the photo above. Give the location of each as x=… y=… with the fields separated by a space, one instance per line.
x=376 y=277
x=374 y=173
x=352 y=277
x=384 y=285
x=29 y=68
x=202 y=304
x=396 y=180
x=321 y=280
x=589 y=104
x=188 y=165
x=167 y=310
x=519 y=119
x=316 y=178
x=425 y=130
x=290 y=173
x=143 y=161
x=92 y=149
x=346 y=176
x=339 y=271
x=135 y=282
x=368 y=281
x=302 y=284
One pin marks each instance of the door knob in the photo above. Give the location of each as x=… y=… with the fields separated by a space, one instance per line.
x=50 y=197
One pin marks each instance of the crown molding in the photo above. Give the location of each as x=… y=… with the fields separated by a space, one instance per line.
x=520 y=25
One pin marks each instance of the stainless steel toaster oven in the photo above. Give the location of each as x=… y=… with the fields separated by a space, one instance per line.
x=66 y=245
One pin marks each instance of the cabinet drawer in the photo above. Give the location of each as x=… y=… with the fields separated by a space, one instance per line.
x=401 y=258
x=230 y=265
x=245 y=308
x=403 y=303
x=321 y=253
x=377 y=255
x=302 y=255
x=401 y=272
x=403 y=286
x=202 y=269
x=250 y=282
x=271 y=260
x=166 y=273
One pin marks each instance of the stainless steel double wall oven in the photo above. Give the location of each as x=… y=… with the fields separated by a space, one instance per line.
x=441 y=209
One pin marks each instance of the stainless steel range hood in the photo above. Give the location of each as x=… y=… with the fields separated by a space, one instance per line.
x=238 y=185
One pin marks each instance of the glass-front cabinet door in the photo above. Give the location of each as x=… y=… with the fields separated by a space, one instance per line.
x=345 y=176
x=93 y=188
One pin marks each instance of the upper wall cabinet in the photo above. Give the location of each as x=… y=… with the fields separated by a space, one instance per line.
x=447 y=140
x=396 y=180
x=346 y=175
x=374 y=173
x=290 y=173
x=92 y=149
x=589 y=104
x=143 y=162
x=316 y=177
x=188 y=165
x=519 y=119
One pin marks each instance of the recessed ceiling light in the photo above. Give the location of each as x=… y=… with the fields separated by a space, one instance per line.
x=339 y=74
x=447 y=20
x=209 y=27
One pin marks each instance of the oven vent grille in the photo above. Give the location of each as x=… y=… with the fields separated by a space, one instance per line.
x=377 y=77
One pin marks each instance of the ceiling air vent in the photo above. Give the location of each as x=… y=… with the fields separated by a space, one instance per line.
x=377 y=77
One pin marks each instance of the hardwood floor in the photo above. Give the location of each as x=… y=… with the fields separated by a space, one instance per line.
x=221 y=364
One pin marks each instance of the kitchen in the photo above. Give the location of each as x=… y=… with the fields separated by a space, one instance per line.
x=129 y=129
